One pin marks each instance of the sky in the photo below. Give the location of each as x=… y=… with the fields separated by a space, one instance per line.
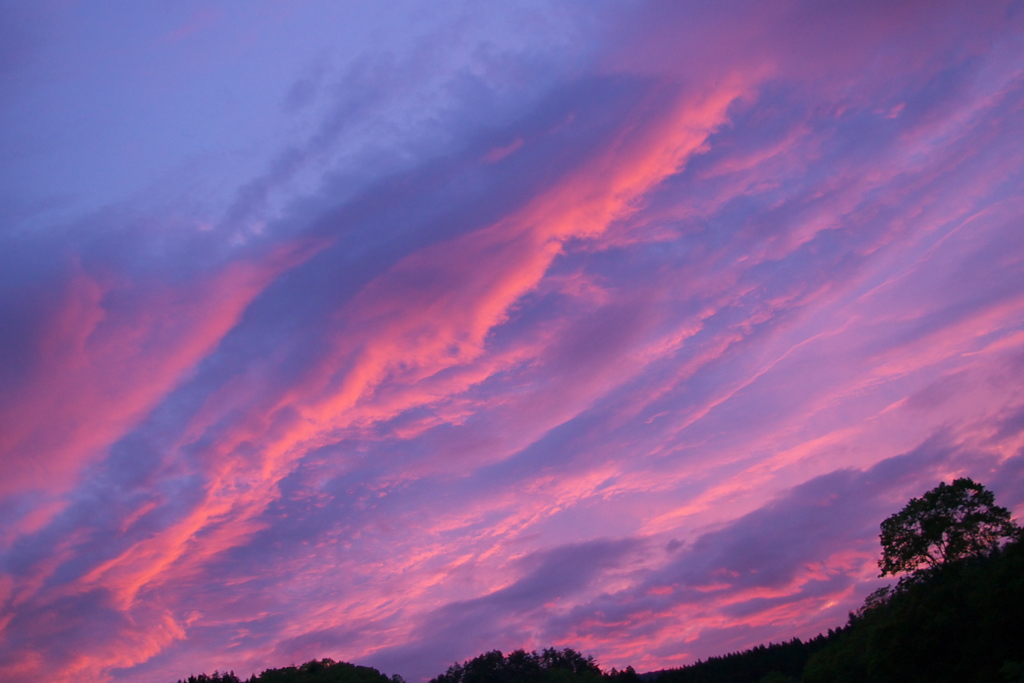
x=397 y=332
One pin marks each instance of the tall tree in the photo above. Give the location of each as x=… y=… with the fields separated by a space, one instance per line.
x=948 y=523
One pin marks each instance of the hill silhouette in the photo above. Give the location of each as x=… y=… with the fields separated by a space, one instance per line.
x=957 y=620
x=956 y=623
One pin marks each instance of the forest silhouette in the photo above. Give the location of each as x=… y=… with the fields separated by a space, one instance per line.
x=954 y=616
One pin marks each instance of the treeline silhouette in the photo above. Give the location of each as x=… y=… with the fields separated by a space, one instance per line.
x=550 y=666
x=763 y=663
x=959 y=622
x=314 y=671
x=954 y=617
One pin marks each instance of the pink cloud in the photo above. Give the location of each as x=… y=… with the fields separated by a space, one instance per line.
x=641 y=381
x=112 y=349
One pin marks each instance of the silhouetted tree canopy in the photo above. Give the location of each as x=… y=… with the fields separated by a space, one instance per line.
x=950 y=522
x=772 y=663
x=314 y=671
x=550 y=666
x=958 y=622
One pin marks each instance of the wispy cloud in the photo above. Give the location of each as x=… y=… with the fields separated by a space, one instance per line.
x=626 y=346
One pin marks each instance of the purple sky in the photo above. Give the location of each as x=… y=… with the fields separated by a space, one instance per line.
x=398 y=332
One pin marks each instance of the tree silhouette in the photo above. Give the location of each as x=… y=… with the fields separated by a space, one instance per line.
x=550 y=666
x=950 y=522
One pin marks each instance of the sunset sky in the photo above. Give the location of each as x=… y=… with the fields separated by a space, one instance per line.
x=396 y=331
